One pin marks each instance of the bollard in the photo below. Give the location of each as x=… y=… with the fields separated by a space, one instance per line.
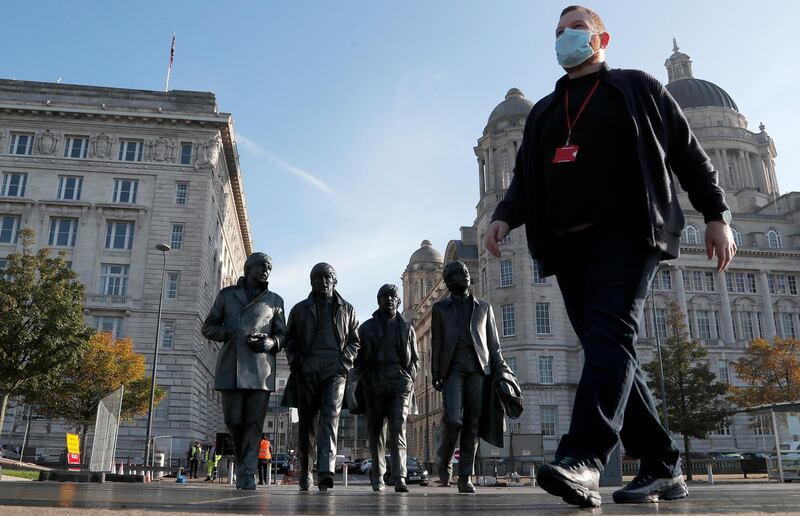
x=710 y=474
x=230 y=472
x=344 y=473
x=533 y=475
x=269 y=476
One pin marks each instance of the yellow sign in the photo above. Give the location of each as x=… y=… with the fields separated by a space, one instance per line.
x=73 y=443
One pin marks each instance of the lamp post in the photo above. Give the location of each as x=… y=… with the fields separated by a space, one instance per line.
x=658 y=348
x=163 y=248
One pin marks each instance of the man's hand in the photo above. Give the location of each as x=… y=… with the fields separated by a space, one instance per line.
x=496 y=231
x=438 y=384
x=260 y=342
x=719 y=242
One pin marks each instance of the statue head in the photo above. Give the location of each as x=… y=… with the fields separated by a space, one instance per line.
x=257 y=269
x=388 y=300
x=323 y=280
x=456 y=277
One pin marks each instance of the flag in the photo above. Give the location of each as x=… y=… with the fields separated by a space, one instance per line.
x=172 y=51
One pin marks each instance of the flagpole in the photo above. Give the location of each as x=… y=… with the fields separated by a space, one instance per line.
x=171 y=58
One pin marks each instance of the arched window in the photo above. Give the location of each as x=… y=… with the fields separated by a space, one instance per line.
x=774 y=240
x=737 y=236
x=691 y=235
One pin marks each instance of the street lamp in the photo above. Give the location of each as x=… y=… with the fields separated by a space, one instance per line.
x=163 y=248
x=658 y=348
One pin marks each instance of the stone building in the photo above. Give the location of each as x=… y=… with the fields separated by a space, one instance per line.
x=105 y=174
x=756 y=297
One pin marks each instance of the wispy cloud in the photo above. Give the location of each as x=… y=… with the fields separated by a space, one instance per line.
x=257 y=150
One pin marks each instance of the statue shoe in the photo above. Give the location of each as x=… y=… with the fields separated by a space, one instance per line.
x=574 y=480
x=465 y=485
x=248 y=483
x=305 y=482
x=378 y=486
x=645 y=488
x=400 y=485
x=325 y=481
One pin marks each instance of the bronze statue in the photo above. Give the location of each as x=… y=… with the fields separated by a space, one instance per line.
x=386 y=368
x=478 y=387
x=321 y=345
x=249 y=319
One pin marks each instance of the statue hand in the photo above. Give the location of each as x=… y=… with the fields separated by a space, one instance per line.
x=260 y=342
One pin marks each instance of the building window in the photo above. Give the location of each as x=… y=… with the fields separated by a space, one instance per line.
x=69 y=188
x=119 y=235
x=786 y=325
x=484 y=284
x=661 y=323
x=792 y=280
x=536 y=274
x=746 y=324
x=114 y=279
x=724 y=428
x=181 y=193
x=741 y=282
x=9 y=229
x=708 y=281
x=125 y=190
x=186 y=153
x=737 y=236
x=663 y=280
x=172 y=284
x=691 y=235
x=512 y=364
x=774 y=240
x=506 y=273
x=703 y=324
x=509 y=323
x=130 y=150
x=761 y=426
x=542 y=318
x=506 y=239
x=167 y=333
x=176 y=238
x=112 y=325
x=76 y=147
x=21 y=143
x=722 y=371
x=162 y=409
x=63 y=232
x=546 y=370
x=14 y=184
x=549 y=417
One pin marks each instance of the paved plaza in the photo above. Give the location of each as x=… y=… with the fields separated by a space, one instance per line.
x=18 y=498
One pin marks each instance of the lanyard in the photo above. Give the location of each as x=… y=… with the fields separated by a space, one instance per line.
x=570 y=122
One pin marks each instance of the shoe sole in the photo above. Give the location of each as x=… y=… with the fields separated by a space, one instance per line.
x=674 y=493
x=571 y=493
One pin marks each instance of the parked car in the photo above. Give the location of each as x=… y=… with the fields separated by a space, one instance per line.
x=354 y=466
x=282 y=463
x=7 y=453
x=415 y=473
x=790 y=450
x=729 y=454
x=365 y=466
x=754 y=462
x=341 y=460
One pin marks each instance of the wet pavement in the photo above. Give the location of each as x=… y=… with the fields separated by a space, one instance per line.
x=197 y=498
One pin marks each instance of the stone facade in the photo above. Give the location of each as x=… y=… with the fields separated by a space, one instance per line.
x=758 y=296
x=108 y=174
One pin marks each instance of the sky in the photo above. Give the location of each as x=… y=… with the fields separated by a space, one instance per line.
x=356 y=120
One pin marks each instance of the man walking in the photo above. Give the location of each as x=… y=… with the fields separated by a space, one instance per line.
x=386 y=367
x=593 y=185
x=321 y=345
x=249 y=319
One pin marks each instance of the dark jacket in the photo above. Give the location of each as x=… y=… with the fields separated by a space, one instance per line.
x=665 y=145
x=230 y=320
x=445 y=333
x=300 y=333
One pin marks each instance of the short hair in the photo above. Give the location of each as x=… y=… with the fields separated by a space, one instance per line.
x=256 y=258
x=451 y=268
x=388 y=288
x=323 y=268
x=596 y=20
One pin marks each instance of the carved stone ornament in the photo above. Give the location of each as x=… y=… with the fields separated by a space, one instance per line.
x=208 y=153
x=46 y=142
x=101 y=146
x=161 y=149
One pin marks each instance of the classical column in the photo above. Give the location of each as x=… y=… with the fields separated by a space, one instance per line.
x=681 y=293
x=493 y=179
x=726 y=318
x=487 y=183
x=726 y=167
x=747 y=173
x=481 y=167
x=768 y=315
x=723 y=177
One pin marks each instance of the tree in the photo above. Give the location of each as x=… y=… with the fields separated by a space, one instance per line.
x=105 y=365
x=42 y=331
x=695 y=402
x=771 y=372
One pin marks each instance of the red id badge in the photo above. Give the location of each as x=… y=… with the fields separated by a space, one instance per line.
x=566 y=154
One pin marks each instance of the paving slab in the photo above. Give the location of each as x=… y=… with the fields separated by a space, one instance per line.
x=199 y=498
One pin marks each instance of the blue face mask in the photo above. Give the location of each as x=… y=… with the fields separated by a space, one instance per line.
x=572 y=47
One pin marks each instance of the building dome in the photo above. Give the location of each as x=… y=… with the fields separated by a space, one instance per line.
x=515 y=105
x=692 y=93
x=426 y=254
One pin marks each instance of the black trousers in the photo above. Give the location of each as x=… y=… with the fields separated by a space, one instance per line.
x=388 y=401
x=604 y=275
x=322 y=395
x=263 y=466
x=462 y=398
x=193 y=468
x=244 y=411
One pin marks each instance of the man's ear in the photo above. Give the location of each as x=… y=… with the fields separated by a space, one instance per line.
x=604 y=39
